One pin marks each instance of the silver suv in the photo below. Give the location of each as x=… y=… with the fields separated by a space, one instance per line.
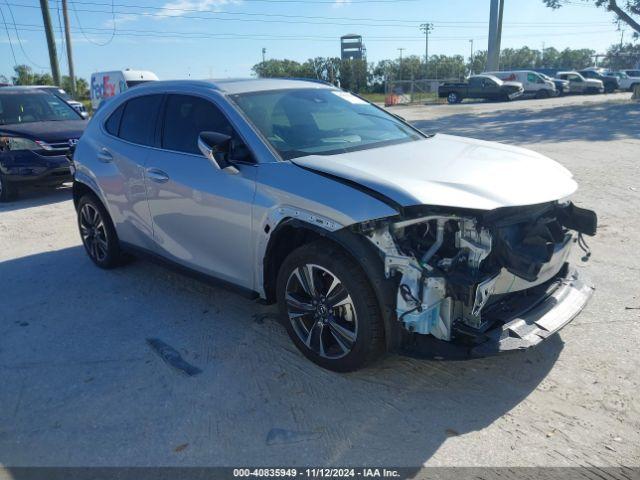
x=370 y=235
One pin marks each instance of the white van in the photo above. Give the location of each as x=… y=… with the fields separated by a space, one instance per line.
x=105 y=85
x=532 y=82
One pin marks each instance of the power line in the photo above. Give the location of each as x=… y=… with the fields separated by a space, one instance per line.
x=4 y=20
x=24 y=52
x=60 y=26
x=113 y=30
x=215 y=15
x=203 y=35
x=411 y=22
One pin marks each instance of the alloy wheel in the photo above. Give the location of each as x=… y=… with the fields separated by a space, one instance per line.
x=93 y=232
x=321 y=311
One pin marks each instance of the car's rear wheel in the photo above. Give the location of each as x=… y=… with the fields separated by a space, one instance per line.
x=7 y=191
x=453 y=98
x=331 y=312
x=540 y=94
x=97 y=233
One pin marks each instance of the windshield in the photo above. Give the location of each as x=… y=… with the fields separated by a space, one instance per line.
x=34 y=107
x=321 y=122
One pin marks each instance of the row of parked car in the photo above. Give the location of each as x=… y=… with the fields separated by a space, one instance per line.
x=40 y=123
x=508 y=85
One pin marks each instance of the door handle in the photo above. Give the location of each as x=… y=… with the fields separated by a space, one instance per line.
x=104 y=155
x=157 y=175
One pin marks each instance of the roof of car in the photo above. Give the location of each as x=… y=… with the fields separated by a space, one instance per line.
x=240 y=85
x=23 y=89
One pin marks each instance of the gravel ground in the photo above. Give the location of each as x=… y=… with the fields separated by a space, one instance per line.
x=80 y=385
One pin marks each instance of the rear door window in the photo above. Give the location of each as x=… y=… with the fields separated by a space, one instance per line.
x=138 y=119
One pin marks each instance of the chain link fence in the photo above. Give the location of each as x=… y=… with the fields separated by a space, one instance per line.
x=406 y=92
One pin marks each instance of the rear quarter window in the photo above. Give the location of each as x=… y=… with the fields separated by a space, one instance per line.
x=112 y=125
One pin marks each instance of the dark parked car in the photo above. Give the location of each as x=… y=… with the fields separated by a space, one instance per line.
x=610 y=82
x=36 y=131
x=480 y=86
x=562 y=86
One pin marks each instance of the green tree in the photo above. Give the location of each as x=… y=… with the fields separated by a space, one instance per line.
x=622 y=56
x=354 y=75
x=277 y=68
x=519 y=58
x=479 y=63
x=625 y=13
x=447 y=67
x=24 y=75
x=82 y=87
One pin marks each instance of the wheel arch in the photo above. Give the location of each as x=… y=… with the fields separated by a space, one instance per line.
x=82 y=185
x=292 y=233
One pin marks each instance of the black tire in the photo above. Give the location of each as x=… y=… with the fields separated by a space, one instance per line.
x=453 y=98
x=540 y=94
x=358 y=311
x=98 y=234
x=631 y=88
x=7 y=191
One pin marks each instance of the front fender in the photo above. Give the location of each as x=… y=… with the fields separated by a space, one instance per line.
x=286 y=191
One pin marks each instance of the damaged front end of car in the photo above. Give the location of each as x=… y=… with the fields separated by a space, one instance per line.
x=484 y=281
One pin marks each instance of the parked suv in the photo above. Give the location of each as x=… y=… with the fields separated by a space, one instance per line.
x=580 y=84
x=626 y=82
x=369 y=234
x=36 y=132
x=609 y=81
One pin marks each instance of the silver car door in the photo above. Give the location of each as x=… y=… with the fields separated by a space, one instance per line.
x=121 y=152
x=201 y=214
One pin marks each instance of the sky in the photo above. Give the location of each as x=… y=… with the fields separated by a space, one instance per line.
x=225 y=38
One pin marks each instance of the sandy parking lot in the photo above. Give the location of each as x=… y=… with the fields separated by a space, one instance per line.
x=80 y=386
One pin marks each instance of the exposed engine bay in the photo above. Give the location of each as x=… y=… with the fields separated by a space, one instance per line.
x=454 y=267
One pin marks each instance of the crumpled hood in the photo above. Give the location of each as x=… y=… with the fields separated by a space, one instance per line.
x=451 y=171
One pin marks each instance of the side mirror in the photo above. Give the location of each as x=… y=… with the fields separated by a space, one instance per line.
x=215 y=146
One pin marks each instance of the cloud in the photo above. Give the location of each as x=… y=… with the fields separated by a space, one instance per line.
x=178 y=8
x=172 y=9
x=341 y=3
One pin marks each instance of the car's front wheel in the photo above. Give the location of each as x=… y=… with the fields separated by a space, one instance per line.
x=453 y=98
x=330 y=310
x=97 y=233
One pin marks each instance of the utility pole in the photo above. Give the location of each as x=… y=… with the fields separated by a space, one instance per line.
x=426 y=28
x=471 y=57
x=400 y=70
x=51 y=42
x=495 y=34
x=67 y=37
x=264 y=52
